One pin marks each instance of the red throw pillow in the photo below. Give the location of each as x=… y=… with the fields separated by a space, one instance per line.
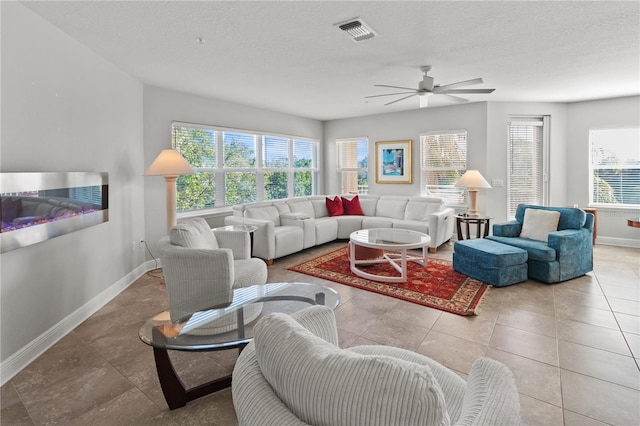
x=352 y=206
x=334 y=207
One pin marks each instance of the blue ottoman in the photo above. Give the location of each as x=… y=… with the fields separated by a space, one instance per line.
x=488 y=261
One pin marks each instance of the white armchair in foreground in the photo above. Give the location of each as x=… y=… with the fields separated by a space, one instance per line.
x=293 y=373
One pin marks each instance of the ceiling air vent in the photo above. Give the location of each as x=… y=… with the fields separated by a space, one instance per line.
x=357 y=30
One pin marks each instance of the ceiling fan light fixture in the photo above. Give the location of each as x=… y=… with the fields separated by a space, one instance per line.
x=357 y=30
x=427 y=88
x=426 y=83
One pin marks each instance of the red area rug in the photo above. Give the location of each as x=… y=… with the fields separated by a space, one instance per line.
x=437 y=285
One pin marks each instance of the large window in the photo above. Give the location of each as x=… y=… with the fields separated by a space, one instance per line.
x=353 y=164
x=236 y=166
x=527 y=170
x=614 y=175
x=443 y=161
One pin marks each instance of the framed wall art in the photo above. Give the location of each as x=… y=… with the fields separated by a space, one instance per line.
x=393 y=161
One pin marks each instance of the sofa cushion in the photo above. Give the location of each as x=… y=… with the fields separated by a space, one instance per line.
x=193 y=233
x=288 y=239
x=326 y=230
x=303 y=207
x=352 y=206
x=376 y=222
x=334 y=207
x=325 y=385
x=538 y=223
x=320 y=207
x=282 y=207
x=368 y=204
x=420 y=210
x=412 y=225
x=349 y=224
x=393 y=207
x=536 y=250
x=269 y=213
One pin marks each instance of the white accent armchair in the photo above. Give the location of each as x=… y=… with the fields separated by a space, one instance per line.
x=293 y=373
x=202 y=267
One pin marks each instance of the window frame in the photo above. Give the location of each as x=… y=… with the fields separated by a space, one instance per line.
x=221 y=171
x=592 y=168
x=458 y=195
x=543 y=122
x=340 y=169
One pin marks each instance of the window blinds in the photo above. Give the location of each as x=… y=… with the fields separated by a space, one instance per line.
x=525 y=186
x=615 y=166
x=443 y=161
x=353 y=155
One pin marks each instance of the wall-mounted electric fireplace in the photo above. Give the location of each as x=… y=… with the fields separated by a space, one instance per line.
x=36 y=207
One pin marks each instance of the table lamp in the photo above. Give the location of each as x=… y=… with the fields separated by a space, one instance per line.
x=170 y=164
x=472 y=179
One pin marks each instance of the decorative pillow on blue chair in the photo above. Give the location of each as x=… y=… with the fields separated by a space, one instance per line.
x=538 y=223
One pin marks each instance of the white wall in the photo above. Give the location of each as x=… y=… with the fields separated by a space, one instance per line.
x=66 y=109
x=402 y=126
x=583 y=116
x=162 y=106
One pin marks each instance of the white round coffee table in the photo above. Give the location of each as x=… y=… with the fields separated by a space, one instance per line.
x=395 y=243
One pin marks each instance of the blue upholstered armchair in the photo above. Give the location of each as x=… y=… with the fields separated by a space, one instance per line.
x=568 y=251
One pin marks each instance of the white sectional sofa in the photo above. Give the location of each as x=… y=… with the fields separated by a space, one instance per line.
x=291 y=225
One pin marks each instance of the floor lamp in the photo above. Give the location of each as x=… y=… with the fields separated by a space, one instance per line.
x=170 y=164
x=472 y=179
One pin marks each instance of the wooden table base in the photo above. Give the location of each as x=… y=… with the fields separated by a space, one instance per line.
x=173 y=388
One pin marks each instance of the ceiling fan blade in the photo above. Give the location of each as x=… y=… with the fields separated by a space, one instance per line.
x=395 y=87
x=456 y=99
x=388 y=94
x=464 y=91
x=401 y=99
x=458 y=84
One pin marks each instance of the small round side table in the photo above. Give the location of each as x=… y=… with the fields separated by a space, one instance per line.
x=479 y=221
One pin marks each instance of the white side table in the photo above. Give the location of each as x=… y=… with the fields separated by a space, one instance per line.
x=250 y=229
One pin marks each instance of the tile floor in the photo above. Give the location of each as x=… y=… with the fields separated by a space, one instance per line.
x=574 y=349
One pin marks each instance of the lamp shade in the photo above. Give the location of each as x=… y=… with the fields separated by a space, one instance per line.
x=169 y=163
x=472 y=179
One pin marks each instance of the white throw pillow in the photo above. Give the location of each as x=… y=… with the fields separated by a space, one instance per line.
x=538 y=223
x=325 y=385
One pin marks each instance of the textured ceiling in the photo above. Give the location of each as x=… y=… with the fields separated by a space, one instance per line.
x=288 y=56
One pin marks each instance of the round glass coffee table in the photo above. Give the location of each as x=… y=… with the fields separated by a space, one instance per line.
x=193 y=333
x=395 y=243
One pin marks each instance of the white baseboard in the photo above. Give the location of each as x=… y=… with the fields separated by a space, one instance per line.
x=622 y=242
x=27 y=354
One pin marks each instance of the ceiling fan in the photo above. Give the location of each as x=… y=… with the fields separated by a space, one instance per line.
x=427 y=88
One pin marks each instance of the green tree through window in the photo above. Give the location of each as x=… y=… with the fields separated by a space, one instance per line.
x=443 y=160
x=197 y=146
x=234 y=167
